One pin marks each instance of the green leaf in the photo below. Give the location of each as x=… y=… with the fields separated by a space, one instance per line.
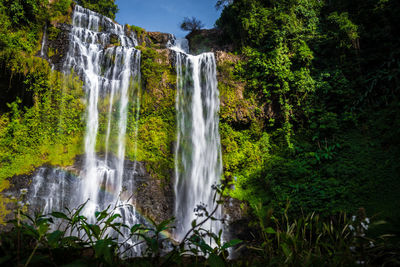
x=135 y=228
x=163 y=225
x=285 y=249
x=29 y=230
x=215 y=261
x=231 y=243
x=43 y=228
x=54 y=237
x=101 y=215
x=112 y=218
x=60 y=215
x=104 y=250
x=95 y=229
x=269 y=230
x=204 y=246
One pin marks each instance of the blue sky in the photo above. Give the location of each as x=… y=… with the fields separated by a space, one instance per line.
x=165 y=15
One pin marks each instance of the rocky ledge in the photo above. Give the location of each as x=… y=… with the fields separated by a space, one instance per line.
x=152 y=200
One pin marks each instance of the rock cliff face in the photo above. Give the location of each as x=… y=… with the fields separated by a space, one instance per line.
x=153 y=200
x=56 y=44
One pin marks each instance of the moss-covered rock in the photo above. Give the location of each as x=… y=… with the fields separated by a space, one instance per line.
x=237 y=106
x=156 y=126
x=157 y=40
x=57 y=44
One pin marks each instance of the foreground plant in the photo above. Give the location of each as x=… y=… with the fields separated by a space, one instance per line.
x=310 y=240
x=59 y=238
x=70 y=238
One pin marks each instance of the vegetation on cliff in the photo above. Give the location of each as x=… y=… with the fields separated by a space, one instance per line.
x=157 y=125
x=107 y=8
x=323 y=130
x=41 y=109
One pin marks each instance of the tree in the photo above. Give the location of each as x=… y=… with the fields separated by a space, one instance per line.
x=191 y=24
x=221 y=3
x=105 y=7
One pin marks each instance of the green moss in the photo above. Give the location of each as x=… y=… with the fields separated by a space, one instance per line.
x=3 y=202
x=50 y=131
x=60 y=10
x=51 y=52
x=140 y=32
x=156 y=126
x=53 y=33
x=155 y=138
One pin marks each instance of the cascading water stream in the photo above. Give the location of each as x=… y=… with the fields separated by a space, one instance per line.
x=110 y=72
x=44 y=37
x=198 y=161
x=105 y=70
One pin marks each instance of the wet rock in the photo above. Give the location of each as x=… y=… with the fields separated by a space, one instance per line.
x=17 y=183
x=151 y=198
x=57 y=44
x=159 y=38
x=114 y=40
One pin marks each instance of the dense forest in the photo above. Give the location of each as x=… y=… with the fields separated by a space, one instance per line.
x=309 y=125
x=326 y=75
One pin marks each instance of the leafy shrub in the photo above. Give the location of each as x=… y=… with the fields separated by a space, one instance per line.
x=105 y=7
x=74 y=240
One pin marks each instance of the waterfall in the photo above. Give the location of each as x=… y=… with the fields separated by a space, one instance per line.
x=110 y=72
x=44 y=37
x=103 y=54
x=106 y=70
x=198 y=160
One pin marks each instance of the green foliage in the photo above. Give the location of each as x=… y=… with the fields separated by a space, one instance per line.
x=312 y=240
x=140 y=32
x=51 y=129
x=69 y=238
x=153 y=66
x=60 y=10
x=345 y=26
x=275 y=43
x=22 y=13
x=23 y=20
x=156 y=126
x=105 y=7
x=20 y=24
x=317 y=79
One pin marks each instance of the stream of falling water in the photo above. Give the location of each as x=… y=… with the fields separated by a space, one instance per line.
x=106 y=70
x=198 y=161
x=110 y=73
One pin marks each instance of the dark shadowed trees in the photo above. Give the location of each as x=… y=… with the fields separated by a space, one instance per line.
x=191 y=24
